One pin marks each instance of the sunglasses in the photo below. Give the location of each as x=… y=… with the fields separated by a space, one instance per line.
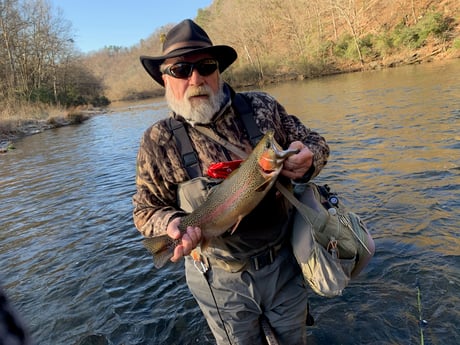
x=184 y=70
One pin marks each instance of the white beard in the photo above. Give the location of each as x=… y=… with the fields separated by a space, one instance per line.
x=196 y=110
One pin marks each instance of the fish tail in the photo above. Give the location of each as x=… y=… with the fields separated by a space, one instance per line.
x=162 y=249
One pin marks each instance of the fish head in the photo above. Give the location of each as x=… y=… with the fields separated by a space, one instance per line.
x=272 y=156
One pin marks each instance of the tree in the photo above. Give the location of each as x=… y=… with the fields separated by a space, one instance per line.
x=353 y=12
x=37 y=50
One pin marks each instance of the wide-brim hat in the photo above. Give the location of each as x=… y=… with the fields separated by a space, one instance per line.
x=186 y=38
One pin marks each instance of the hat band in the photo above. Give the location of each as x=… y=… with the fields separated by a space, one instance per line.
x=187 y=44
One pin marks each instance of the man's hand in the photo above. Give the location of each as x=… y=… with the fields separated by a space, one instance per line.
x=189 y=240
x=296 y=166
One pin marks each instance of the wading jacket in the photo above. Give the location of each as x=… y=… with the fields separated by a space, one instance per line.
x=160 y=170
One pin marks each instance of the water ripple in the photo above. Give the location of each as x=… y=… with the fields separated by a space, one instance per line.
x=74 y=266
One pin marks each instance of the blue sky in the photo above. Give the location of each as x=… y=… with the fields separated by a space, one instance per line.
x=100 y=23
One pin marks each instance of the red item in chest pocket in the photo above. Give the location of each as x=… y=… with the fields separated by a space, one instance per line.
x=223 y=169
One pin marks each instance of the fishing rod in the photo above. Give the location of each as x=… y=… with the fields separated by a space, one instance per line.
x=421 y=322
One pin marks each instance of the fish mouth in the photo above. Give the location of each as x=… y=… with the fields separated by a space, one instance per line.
x=268 y=171
x=272 y=164
x=281 y=155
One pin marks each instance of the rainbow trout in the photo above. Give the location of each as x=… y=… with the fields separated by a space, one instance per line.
x=231 y=200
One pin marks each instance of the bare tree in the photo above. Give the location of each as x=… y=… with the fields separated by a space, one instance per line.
x=37 y=50
x=352 y=12
x=10 y=26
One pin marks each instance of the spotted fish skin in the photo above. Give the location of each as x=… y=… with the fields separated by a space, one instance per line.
x=231 y=200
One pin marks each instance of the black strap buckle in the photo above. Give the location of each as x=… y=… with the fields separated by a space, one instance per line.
x=189 y=159
x=263 y=259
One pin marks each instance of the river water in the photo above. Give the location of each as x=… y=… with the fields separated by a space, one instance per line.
x=73 y=264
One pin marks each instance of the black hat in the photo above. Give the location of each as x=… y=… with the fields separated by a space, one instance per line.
x=186 y=38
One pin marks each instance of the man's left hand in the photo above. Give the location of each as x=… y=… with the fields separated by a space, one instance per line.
x=296 y=166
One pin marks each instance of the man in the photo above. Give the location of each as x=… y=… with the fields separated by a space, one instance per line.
x=252 y=272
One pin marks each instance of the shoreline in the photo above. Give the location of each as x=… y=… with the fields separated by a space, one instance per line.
x=27 y=127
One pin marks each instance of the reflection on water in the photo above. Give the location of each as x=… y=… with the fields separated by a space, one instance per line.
x=72 y=262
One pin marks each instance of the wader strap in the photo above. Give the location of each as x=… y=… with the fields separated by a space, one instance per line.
x=246 y=113
x=189 y=157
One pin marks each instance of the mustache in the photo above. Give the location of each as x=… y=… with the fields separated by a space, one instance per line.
x=193 y=91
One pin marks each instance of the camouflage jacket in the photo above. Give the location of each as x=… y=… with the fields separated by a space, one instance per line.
x=160 y=170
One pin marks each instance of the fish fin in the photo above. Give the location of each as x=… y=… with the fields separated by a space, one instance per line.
x=161 y=247
x=263 y=186
x=236 y=224
x=157 y=244
x=161 y=258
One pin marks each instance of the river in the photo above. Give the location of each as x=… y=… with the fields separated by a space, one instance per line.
x=73 y=265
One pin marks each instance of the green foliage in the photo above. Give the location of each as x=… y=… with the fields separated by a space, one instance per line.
x=405 y=36
x=312 y=68
x=367 y=45
x=42 y=95
x=456 y=44
x=38 y=59
x=100 y=101
x=383 y=44
x=432 y=24
x=346 y=48
x=70 y=98
x=325 y=50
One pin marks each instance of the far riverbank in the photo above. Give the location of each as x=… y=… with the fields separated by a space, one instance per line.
x=11 y=131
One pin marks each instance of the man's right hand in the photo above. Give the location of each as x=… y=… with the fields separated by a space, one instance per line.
x=190 y=239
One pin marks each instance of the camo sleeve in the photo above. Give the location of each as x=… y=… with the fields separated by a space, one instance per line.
x=296 y=130
x=288 y=128
x=155 y=193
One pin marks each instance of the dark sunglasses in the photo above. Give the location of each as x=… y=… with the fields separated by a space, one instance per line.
x=184 y=69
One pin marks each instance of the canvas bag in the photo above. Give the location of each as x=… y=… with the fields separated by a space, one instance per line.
x=331 y=243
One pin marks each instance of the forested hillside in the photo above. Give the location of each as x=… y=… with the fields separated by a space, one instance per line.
x=280 y=39
x=275 y=40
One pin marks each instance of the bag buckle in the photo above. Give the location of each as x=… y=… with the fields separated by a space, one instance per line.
x=333 y=248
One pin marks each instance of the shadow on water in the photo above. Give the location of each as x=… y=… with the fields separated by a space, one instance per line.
x=74 y=266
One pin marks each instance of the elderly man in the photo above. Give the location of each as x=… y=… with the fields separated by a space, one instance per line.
x=251 y=273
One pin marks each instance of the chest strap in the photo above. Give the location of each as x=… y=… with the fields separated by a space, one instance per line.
x=246 y=113
x=189 y=156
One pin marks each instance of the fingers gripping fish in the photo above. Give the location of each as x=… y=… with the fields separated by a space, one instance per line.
x=231 y=200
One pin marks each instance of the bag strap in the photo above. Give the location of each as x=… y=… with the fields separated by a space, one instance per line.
x=246 y=113
x=228 y=145
x=294 y=201
x=189 y=157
